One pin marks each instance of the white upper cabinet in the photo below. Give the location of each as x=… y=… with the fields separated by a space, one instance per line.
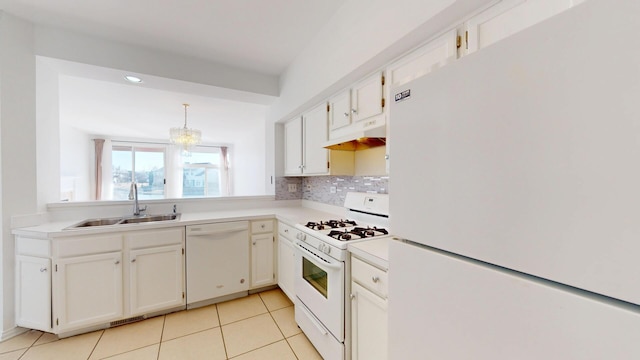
x=367 y=99
x=304 y=139
x=293 y=147
x=426 y=59
x=509 y=17
x=314 y=126
x=340 y=110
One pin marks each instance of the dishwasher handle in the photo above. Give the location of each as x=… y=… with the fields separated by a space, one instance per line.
x=217 y=229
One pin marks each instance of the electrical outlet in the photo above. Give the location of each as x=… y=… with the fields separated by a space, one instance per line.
x=293 y=187
x=333 y=189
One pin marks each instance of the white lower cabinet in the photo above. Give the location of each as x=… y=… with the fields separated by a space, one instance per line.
x=262 y=260
x=368 y=311
x=68 y=284
x=156 y=279
x=33 y=292
x=88 y=291
x=286 y=262
x=262 y=254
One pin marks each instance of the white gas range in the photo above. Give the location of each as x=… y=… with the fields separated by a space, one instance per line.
x=322 y=266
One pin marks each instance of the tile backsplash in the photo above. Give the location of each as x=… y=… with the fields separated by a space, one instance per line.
x=329 y=189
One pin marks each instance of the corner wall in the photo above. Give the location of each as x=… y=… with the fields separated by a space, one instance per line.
x=18 y=189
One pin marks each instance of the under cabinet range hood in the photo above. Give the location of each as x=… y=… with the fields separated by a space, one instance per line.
x=360 y=140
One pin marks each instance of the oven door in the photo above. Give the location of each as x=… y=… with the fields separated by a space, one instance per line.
x=319 y=284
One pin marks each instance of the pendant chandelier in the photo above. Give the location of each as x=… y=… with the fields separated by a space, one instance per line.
x=185 y=137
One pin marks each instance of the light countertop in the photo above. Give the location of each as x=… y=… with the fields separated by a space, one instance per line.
x=290 y=215
x=375 y=252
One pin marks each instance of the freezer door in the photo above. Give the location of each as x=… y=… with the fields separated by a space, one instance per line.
x=442 y=307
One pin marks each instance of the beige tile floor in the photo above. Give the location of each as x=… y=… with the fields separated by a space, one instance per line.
x=260 y=326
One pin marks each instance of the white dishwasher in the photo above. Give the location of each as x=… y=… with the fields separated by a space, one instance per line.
x=217 y=260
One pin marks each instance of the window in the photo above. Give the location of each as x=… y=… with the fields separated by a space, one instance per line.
x=204 y=173
x=162 y=171
x=143 y=164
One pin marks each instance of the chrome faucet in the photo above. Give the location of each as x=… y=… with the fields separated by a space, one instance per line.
x=133 y=195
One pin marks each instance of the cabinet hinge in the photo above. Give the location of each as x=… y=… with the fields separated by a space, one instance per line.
x=182 y=251
x=466 y=40
x=458 y=42
x=183 y=294
x=57 y=322
x=274 y=276
x=382 y=102
x=383 y=80
x=56 y=267
x=328 y=107
x=328 y=165
x=164 y=181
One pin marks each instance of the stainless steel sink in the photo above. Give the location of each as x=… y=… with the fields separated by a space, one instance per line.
x=148 y=218
x=123 y=220
x=97 y=222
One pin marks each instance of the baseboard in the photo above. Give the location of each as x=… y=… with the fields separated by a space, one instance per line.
x=8 y=334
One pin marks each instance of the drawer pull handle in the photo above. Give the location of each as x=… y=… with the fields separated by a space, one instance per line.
x=262 y=226
x=43 y=269
x=117 y=262
x=375 y=279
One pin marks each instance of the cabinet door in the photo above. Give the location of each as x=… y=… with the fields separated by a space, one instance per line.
x=509 y=17
x=366 y=98
x=437 y=53
x=293 y=147
x=33 y=292
x=368 y=324
x=89 y=290
x=156 y=279
x=316 y=158
x=340 y=110
x=262 y=271
x=286 y=266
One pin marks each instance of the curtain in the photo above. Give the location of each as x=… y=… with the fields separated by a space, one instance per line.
x=99 y=147
x=226 y=189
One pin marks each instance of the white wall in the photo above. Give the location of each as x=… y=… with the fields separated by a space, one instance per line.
x=362 y=37
x=47 y=135
x=17 y=143
x=76 y=161
x=66 y=45
x=248 y=160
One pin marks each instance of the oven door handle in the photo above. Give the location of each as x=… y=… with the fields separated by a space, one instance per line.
x=330 y=265
x=313 y=320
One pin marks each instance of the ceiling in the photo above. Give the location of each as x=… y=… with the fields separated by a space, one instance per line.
x=259 y=35
x=256 y=35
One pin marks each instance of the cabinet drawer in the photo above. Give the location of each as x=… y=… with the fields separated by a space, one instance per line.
x=32 y=247
x=369 y=276
x=286 y=231
x=89 y=245
x=154 y=238
x=263 y=226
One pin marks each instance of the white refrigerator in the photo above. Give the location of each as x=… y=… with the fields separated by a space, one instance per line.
x=515 y=180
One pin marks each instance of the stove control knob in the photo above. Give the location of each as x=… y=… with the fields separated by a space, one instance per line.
x=327 y=249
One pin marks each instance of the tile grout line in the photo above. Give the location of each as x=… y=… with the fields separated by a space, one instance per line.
x=278 y=326
x=164 y=323
x=224 y=344
x=27 y=348
x=96 y=344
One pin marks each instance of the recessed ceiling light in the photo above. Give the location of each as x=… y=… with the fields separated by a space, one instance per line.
x=133 y=79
